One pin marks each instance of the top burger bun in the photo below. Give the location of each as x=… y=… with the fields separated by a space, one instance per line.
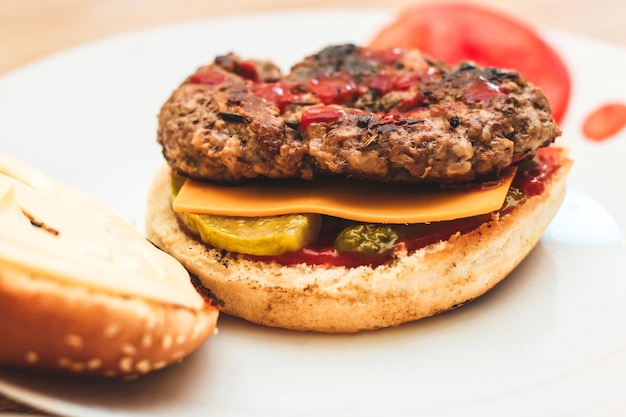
x=82 y=292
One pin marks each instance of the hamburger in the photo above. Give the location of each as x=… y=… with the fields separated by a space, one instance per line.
x=82 y=292
x=361 y=190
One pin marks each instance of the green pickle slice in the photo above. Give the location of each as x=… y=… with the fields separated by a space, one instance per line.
x=256 y=235
x=264 y=236
x=367 y=239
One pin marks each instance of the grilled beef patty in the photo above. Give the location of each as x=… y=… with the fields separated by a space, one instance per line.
x=389 y=115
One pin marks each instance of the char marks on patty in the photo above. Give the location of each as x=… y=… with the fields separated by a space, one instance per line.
x=383 y=115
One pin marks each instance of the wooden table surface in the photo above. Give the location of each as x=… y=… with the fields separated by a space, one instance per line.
x=32 y=29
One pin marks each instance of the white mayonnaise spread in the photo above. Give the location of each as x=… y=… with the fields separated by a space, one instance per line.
x=47 y=227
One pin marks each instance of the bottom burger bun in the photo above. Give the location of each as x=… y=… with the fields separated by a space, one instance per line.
x=82 y=292
x=434 y=279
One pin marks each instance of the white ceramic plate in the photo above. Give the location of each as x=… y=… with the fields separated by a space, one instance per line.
x=549 y=340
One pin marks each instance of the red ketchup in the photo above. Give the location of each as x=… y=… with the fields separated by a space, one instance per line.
x=327 y=255
x=278 y=93
x=207 y=77
x=321 y=114
x=604 y=122
x=531 y=177
x=341 y=89
x=482 y=90
x=247 y=70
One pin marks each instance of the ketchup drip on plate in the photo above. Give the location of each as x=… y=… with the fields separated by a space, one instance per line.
x=604 y=122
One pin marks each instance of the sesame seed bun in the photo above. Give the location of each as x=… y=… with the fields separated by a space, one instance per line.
x=54 y=327
x=436 y=278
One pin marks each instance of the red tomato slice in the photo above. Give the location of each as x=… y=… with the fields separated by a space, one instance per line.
x=456 y=32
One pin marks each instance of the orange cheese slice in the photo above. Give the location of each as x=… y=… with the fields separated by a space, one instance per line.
x=349 y=199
